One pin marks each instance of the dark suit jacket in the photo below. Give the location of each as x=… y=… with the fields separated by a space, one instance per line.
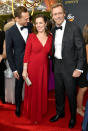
x=15 y=47
x=73 y=47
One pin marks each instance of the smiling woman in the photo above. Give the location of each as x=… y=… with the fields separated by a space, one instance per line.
x=36 y=61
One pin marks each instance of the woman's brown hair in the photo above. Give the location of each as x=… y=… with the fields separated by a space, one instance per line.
x=85 y=33
x=47 y=30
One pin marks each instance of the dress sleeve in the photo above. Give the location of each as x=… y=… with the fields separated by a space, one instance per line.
x=28 y=49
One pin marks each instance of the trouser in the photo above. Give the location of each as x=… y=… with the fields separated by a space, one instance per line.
x=64 y=82
x=18 y=91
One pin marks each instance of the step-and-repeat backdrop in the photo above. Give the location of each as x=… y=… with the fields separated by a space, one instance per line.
x=77 y=11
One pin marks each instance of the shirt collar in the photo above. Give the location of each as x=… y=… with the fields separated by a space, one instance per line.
x=19 y=26
x=63 y=24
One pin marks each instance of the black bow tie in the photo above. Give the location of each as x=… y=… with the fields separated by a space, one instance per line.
x=60 y=27
x=23 y=27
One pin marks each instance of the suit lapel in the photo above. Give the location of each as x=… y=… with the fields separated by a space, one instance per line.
x=66 y=30
x=30 y=25
x=53 y=47
x=19 y=34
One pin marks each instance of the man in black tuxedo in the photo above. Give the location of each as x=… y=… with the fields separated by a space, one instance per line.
x=68 y=59
x=16 y=38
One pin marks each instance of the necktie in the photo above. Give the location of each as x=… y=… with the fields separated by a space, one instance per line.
x=60 y=27
x=23 y=27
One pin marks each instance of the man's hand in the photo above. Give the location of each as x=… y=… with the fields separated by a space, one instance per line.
x=16 y=75
x=76 y=73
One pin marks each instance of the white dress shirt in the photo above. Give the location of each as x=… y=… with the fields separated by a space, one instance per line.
x=58 y=41
x=23 y=32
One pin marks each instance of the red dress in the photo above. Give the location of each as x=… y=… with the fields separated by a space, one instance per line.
x=35 y=98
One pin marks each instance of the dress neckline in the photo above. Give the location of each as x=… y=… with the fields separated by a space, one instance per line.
x=41 y=42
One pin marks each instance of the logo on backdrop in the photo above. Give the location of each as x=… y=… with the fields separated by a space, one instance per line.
x=70 y=17
x=71 y=1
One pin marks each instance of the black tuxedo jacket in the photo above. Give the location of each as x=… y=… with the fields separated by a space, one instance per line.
x=73 y=47
x=15 y=47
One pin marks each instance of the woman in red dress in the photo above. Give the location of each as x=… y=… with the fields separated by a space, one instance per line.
x=38 y=47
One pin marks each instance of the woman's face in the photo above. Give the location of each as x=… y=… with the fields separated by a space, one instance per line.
x=40 y=24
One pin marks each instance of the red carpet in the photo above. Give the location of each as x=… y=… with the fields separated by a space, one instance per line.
x=9 y=122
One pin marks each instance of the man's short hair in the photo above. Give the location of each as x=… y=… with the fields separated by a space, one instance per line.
x=18 y=11
x=58 y=5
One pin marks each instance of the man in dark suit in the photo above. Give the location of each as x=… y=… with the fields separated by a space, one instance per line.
x=16 y=38
x=68 y=59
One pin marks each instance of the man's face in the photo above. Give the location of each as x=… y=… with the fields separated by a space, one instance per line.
x=58 y=15
x=24 y=19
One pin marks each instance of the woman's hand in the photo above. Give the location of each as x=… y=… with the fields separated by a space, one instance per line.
x=24 y=74
x=1 y=58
